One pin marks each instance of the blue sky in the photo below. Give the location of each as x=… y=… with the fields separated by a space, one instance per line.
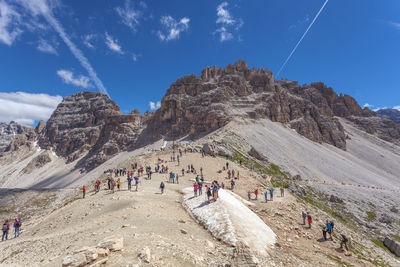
x=136 y=49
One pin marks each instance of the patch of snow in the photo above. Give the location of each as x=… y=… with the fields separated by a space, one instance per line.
x=230 y=220
x=54 y=154
x=164 y=145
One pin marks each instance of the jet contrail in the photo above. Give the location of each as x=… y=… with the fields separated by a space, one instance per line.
x=41 y=7
x=301 y=39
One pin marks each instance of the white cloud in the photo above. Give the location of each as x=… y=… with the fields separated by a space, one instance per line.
x=396 y=25
x=88 y=40
x=113 y=45
x=154 y=106
x=226 y=23
x=223 y=14
x=69 y=78
x=26 y=108
x=172 y=28
x=9 y=19
x=44 y=8
x=135 y=57
x=45 y=47
x=366 y=105
x=129 y=15
x=397 y=107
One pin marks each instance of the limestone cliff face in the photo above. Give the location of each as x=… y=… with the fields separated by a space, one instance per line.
x=90 y=123
x=9 y=131
x=91 y=127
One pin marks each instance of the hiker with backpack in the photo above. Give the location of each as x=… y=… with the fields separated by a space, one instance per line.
x=329 y=229
x=208 y=191
x=304 y=215
x=6 y=228
x=343 y=241
x=256 y=193
x=309 y=219
x=324 y=232
x=84 y=191
x=271 y=193
x=232 y=185
x=266 y=196
x=129 y=183
x=17 y=226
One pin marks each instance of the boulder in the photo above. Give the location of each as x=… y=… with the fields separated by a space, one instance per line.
x=392 y=245
x=386 y=219
x=113 y=243
x=90 y=253
x=335 y=199
x=394 y=209
x=75 y=260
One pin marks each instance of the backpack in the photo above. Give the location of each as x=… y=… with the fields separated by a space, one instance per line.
x=332 y=224
x=309 y=217
x=5 y=227
x=18 y=224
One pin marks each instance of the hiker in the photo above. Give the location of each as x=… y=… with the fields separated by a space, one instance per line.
x=233 y=173
x=329 y=229
x=256 y=193
x=109 y=183
x=6 y=228
x=162 y=186
x=136 y=183
x=119 y=184
x=232 y=185
x=282 y=192
x=227 y=165
x=195 y=188
x=208 y=192
x=343 y=241
x=177 y=178
x=271 y=192
x=332 y=223
x=183 y=172
x=229 y=174
x=200 y=188
x=17 y=226
x=309 y=219
x=223 y=185
x=201 y=170
x=304 y=215
x=324 y=232
x=129 y=183
x=266 y=196
x=249 y=195
x=84 y=191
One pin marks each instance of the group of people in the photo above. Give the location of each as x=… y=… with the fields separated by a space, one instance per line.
x=327 y=228
x=6 y=228
x=269 y=191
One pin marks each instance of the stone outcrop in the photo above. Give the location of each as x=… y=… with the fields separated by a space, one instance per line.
x=389 y=113
x=37 y=162
x=89 y=124
x=392 y=245
x=9 y=131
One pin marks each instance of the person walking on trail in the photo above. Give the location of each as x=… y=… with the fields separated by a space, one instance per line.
x=266 y=196
x=136 y=183
x=329 y=229
x=232 y=185
x=227 y=165
x=109 y=183
x=200 y=188
x=249 y=195
x=201 y=170
x=282 y=192
x=84 y=191
x=129 y=183
x=6 y=228
x=256 y=193
x=208 y=191
x=162 y=186
x=183 y=172
x=17 y=226
x=324 y=232
x=119 y=184
x=343 y=241
x=304 y=216
x=271 y=193
x=229 y=174
x=177 y=178
x=332 y=223
x=309 y=219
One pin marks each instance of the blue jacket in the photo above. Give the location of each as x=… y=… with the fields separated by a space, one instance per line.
x=329 y=227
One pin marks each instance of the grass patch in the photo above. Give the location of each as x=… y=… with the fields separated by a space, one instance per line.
x=396 y=237
x=338 y=261
x=370 y=216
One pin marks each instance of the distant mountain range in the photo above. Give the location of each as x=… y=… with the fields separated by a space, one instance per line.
x=389 y=113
